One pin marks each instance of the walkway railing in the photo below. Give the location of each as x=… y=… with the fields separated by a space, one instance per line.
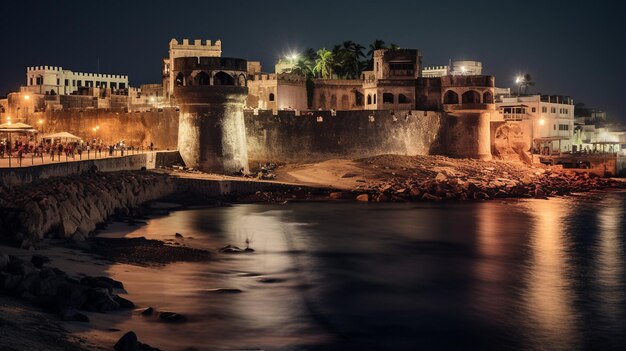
x=10 y=160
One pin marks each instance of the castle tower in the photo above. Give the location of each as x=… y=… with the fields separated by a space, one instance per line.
x=468 y=104
x=211 y=93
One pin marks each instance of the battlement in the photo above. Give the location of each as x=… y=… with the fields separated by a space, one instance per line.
x=197 y=43
x=55 y=69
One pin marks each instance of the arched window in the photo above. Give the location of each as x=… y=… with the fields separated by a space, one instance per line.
x=369 y=99
x=272 y=97
x=221 y=78
x=345 y=102
x=450 y=97
x=242 y=80
x=488 y=98
x=322 y=100
x=387 y=98
x=180 y=79
x=374 y=98
x=402 y=99
x=203 y=78
x=470 y=97
x=333 y=102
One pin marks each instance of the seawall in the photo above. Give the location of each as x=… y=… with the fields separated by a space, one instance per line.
x=71 y=207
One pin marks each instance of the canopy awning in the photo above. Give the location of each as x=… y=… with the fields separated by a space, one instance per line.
x=16 y=128
x=62 y=135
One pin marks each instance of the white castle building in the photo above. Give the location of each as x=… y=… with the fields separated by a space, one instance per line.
x=51 y=80
x=454 y=68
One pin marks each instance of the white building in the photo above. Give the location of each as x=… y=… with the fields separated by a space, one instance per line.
x=454 y=68
x=51 y=80
x=549 y=119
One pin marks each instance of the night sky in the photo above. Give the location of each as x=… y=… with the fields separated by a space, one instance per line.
x=571 y=48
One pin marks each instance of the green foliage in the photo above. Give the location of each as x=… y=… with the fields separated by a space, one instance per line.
x=345 y=61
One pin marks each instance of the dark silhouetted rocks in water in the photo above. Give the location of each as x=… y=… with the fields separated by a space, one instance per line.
x=54 y=290
x=129 y=342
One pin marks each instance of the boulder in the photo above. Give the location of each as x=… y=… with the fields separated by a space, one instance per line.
x=72 y=315
x=179 y=235
x=4 y=261
x=38 y=261
x=147 y=312
x=124 y=303
x=440 y=177
x=363 y=198
x=128 y=342
x=171 y=317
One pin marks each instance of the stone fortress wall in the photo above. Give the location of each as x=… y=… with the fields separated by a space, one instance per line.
x=318 y=135
x=280 y=137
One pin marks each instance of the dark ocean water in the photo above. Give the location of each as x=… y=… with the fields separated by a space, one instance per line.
x=519 y=275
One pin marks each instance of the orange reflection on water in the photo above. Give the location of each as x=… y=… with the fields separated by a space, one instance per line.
x=549 y=295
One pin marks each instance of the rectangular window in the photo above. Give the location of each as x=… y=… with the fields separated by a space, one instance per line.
x=553 y=110
x=534 y=109
x=31 y=80
x=73 y=82
x=58 y=81
x=554 y=127
x=544 y=109
x=80 y=83
x=122 y=85
x=67 y=82
x=564 y=127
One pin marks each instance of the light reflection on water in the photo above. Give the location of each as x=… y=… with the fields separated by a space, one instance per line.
x=531 y=274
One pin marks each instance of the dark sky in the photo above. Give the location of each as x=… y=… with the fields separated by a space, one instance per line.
x=575 y=48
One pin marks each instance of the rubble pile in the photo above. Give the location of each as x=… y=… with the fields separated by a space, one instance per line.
x=435 y=178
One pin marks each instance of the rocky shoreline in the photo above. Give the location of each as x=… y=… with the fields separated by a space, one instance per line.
x=72 y=207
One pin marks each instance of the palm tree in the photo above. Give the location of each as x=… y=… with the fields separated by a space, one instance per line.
x=324 y=63
x=527 y=81
x=393 y=46
x=303 y=67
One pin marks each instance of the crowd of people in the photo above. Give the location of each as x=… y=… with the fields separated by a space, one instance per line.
x=64 y=150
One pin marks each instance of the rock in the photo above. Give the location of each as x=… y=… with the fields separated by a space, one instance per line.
x=230 y=249
x=38 y=261
x=8 y=281
x=72 y=315
x=171 y=317
x=128 y=342
x=124 y=303
x=101 y=301
x=224 y=291
x=102 y=282
x=335 y=195
x=147 y=312
x=4 y=261
x=179 y=235
x=363 y=198
x=440 y=177
x=430 y=197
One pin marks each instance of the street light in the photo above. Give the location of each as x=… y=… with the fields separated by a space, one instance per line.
x=542 y=122
x=26 y=97
x=40 y=122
